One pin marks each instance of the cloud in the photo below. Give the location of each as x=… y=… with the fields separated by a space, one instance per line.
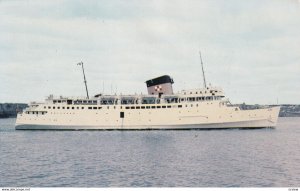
x=246 y=46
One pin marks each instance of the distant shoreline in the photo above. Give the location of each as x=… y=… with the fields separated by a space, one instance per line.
x=9 y=110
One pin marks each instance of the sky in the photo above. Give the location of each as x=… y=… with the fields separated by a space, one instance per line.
x=249 y=48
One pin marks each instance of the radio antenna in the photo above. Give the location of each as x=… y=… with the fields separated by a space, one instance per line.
x=204 y=81
x=87 y=92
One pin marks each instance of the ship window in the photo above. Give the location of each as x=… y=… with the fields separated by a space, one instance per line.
x=72 y=107
x=179 y=106
x=191 y=99
x=84 y=101
x=89 y=107
x=89 y=101
x=82 y=107
x=58 y=107
x=168 y=106
x=186 y=105
x=59 y=101
x=191 y=92
x=107 y=107
x=196 y=92
x=153 y=107
x=197 y=105
x=114 y=107
x=95 y=101
x=147 y=107
x=126 y=101
x=163 y=106
x=158 y=107
x=77 y=108
x=132 y=108
x=99 y=107
x=127 y=107
x=53 y=107
x=138 y=107
x=68 y=107
x=148 y=100
x=63 y=107
x=54 y=101
x=94 y=107
x=191 y=105
x=143 y=107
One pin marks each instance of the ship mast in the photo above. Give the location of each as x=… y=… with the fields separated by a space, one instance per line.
x=87 y=93
x=204 y=81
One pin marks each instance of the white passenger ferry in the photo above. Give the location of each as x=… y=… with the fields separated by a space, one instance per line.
x=204 y=108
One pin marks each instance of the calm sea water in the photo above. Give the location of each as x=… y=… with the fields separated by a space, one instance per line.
x=215 y=158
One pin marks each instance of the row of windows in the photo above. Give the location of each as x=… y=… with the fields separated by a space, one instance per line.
x=85 y=102
x=152 y=107
x=211 y=91
x=135 y=101
x=140 y=107
x=65 y=107
x=36 y=112
x=76 y=102
x=127 y=107
x=133 y=107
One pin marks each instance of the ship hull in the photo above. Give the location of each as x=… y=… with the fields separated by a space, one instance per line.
x=234 y=125
x=249 y=119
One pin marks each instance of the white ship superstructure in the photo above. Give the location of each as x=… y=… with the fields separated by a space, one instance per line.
x=205 y=108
